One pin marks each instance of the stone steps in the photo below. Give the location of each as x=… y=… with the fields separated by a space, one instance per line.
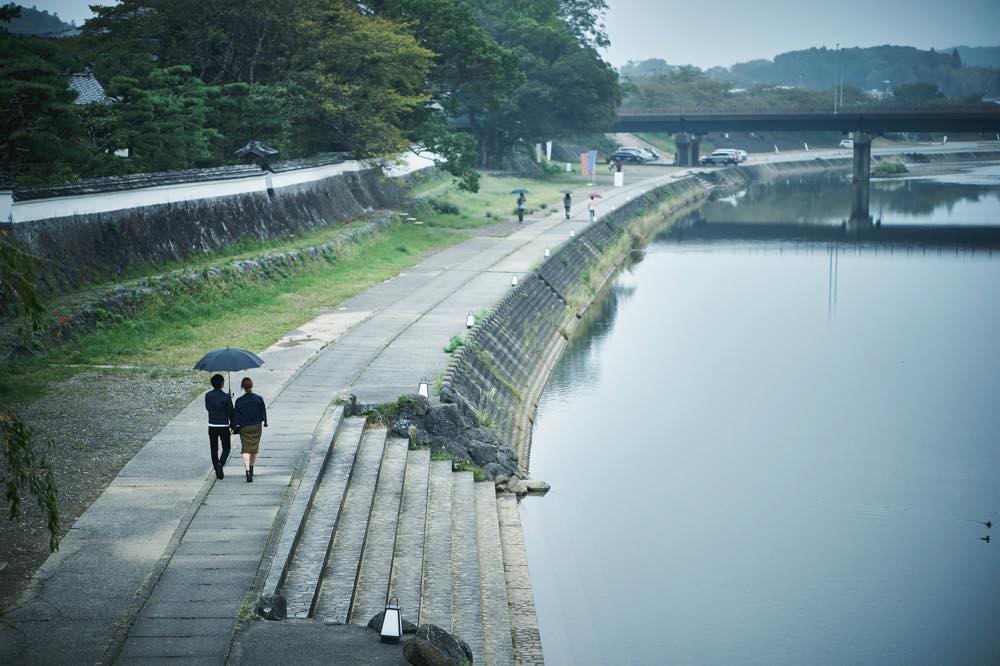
x=408 y=552
x=385 y=521
x=467 y=615
x=324 y=510
x=340 y=574
x=435 y=591
x=497 y=646
x=376 y=561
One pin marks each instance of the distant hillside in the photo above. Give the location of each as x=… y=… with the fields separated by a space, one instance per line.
x=35 y=22
x=652 y=67
x=979 y=56
x=867 y=69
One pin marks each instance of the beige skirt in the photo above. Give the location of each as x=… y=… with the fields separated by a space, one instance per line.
x=250 y=438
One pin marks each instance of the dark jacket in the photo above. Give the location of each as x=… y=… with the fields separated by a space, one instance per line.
x=249 y=410
x=220 y=407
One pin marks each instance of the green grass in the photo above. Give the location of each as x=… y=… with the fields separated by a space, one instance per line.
x=175 y=329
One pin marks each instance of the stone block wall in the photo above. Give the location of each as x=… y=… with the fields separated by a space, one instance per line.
x=501 y=371
x=79 y=249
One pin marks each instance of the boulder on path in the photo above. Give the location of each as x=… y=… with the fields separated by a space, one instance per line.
x=272 y=607
x=433 y=646
x=376 y=624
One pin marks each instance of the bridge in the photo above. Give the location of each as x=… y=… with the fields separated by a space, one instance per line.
x=689 y=127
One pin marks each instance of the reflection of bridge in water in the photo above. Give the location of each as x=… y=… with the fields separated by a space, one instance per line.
x=863 y=233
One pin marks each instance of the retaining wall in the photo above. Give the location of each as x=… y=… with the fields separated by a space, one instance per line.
x=114 y=223
x=501 y=371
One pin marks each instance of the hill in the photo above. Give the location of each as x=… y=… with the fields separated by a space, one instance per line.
x=36 y=22
x=867 y=69
x=979 y=56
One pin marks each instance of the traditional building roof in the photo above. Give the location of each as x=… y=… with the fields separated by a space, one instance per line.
x=257 y=149
x=88 y=89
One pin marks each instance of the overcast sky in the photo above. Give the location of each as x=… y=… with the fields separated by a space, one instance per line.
x=721 y=32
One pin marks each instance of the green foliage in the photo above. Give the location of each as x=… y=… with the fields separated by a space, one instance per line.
x=456 y=342
x=468 y=466
x=40 y=135
x=444 y=207
x=891 y=167
x=162 y=119
x=25 y=473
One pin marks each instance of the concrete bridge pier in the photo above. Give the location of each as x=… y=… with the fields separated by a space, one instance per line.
x=695 y=149
x=683 y=155
x=862 y=156
x=860 y=217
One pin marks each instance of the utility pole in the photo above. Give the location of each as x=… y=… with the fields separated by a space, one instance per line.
x=836 y=78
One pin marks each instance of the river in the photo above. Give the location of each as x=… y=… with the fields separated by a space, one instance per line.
x=777 y=452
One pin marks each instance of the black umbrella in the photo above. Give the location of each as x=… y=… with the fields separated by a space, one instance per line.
x=228 y=359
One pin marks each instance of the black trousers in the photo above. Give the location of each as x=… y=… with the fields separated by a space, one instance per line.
x=214 y=435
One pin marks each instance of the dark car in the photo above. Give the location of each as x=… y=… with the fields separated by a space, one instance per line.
x=626 y=156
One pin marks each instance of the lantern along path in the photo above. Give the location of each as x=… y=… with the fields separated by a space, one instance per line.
x=161 y=565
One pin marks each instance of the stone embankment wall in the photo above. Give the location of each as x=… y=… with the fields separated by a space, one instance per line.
x=83 y=248
x=500 y=373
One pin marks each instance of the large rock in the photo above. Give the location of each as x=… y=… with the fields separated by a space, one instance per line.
x=433 y=646
x=272 y=607
x=376 y=624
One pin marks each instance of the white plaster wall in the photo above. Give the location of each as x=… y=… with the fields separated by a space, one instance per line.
x=42 y=209
x=300 y=176
x=6 y=204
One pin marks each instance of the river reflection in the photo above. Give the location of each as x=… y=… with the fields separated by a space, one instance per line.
x=970 y=197
x=743 y=473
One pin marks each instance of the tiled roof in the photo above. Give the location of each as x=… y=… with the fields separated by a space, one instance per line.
x=88 y=89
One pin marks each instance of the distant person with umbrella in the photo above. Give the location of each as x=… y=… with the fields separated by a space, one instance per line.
x=249 y=421
x=219 y=406
x=567 y=202
x=221 y=412
x=522 y=203
x=591 y=205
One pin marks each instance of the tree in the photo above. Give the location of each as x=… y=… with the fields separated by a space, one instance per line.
x=23 y=472
x=585 y=19
x=916 y=94
x=162 y=119
x=567 y=89
x=364 y=75
x=40 y=135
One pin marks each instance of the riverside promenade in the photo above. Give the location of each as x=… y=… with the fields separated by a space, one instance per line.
x=162 y=565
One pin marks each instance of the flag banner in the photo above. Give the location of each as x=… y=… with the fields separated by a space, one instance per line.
x=538 y=153
x=548 y=151
x=592 y=161
x=584 y=165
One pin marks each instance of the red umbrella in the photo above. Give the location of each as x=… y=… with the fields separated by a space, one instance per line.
x=595 y=195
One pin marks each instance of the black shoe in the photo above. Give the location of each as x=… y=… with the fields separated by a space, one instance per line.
x=249 y=477
x=218 y=471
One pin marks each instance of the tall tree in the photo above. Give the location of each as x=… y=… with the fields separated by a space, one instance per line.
x=40 y=135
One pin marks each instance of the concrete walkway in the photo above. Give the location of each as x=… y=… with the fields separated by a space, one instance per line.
x=161 y=565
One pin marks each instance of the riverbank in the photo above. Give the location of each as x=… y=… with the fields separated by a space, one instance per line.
x=383 y=341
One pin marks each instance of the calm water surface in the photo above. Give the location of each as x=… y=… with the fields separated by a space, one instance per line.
x=776 y=453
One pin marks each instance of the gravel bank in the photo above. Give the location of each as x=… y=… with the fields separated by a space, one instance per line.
x=88 y=428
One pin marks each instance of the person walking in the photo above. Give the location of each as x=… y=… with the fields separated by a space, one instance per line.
x=522 y=202
x=591 y=211
x=249 y=419
x=567 y=203
x=219 y=406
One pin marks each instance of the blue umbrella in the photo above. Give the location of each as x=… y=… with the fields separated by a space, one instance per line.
x=228 y=359
x=519 y=191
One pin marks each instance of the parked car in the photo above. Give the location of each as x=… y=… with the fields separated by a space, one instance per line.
x=847 y=143
x=627 y=155
x=721 y=156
